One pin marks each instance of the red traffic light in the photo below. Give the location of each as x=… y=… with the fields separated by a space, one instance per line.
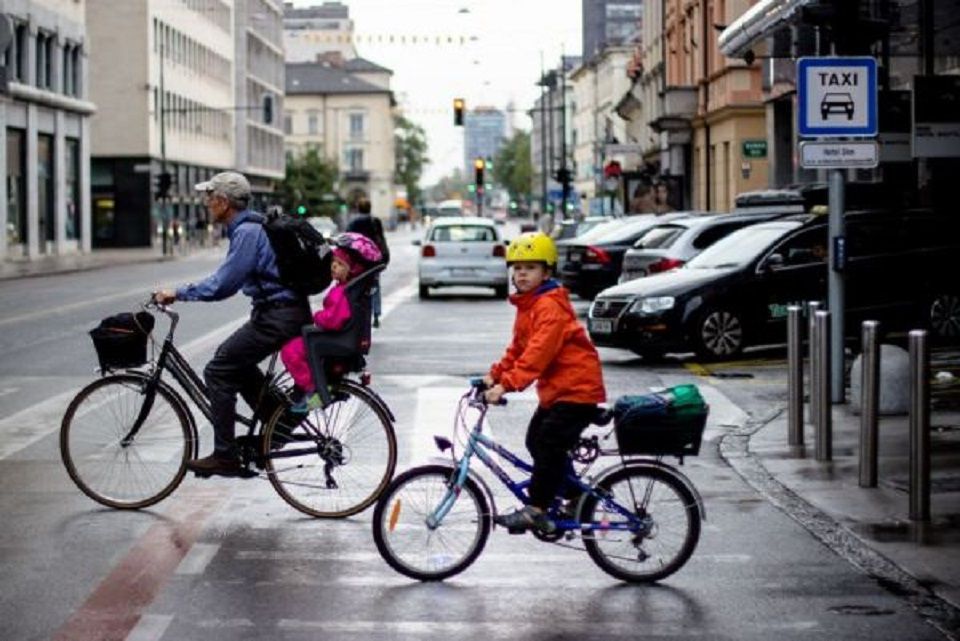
x=458 y=106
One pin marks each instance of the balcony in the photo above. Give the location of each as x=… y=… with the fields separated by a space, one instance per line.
x=679 y=108
x=356 y=175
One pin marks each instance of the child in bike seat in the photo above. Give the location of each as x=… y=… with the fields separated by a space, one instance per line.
x=352 y=254
x=550 y=347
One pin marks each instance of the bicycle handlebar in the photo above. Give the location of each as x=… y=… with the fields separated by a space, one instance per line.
x=478 y=387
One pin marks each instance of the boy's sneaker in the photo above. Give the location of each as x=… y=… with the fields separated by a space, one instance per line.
x=526 y=518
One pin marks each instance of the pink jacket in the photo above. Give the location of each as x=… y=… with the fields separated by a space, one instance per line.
x=333 y=316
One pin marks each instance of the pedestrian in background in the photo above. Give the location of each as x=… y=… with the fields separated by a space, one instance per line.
x=371 y=227
x=642 y=200
x=661 y=198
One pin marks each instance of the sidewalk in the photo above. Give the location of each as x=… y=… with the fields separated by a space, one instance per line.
x=96 y=259
x=878 y=517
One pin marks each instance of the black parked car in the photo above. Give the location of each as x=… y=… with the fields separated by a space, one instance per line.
x=901 y=270
x=591 y=262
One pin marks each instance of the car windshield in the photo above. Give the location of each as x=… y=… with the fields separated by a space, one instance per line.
x=740 y=247
x=617 y=231
x=598 y=230
x=463 y=234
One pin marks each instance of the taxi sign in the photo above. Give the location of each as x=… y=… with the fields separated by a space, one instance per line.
x=837 y=96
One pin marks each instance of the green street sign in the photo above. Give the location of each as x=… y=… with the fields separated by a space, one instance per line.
x=754 y=148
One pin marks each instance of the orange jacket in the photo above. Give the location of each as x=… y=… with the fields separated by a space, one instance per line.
x=551 y=347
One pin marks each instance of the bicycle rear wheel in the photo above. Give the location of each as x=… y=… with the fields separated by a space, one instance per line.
x=338 y=460
x=409 y=545
x=666 y=537
x=111 y=466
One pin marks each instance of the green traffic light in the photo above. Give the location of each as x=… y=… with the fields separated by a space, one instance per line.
x=301 y=210
x=471 y=188
x=513 y=204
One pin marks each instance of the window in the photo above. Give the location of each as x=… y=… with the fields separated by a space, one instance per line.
x=464 y=234
x=65 y=69
x=714 y=233
x=356 y=126
x=659 y=237
x=16 y=187
x=288 y=123
x=19 y=53
x=43 y=45
x=73 y=189
x=354 y=159
x=313 y=123
x=806 y=248
x=45 y=200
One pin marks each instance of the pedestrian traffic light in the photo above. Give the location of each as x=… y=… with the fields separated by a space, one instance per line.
x=478 y=166
x=162 y=183
x=489 y=163
x=301 y=210
x=458 y=106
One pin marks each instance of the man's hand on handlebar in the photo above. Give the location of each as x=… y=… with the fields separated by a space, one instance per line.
x=164 y=297
x=488 y=381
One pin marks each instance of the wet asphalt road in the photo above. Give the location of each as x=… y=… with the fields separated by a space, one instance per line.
x=228 y=560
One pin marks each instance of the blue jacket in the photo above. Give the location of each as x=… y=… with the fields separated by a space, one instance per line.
x=250 y=265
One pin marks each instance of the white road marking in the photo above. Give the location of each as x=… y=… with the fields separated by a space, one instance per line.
x=197 y=559
x=63 y=309
x=150 y=627
x=396 y=298
x=29 y=425
x=436 y=409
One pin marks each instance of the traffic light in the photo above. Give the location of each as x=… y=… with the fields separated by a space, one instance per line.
x=458 y=106
x=489 y=163
x=478 y=166
x=301 y=210
x=563 y=175
x=162 y=184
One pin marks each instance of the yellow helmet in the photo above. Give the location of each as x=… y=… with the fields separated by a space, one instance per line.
x=532 y=246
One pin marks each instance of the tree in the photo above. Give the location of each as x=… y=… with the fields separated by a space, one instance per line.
x=410 y=147
x=513 y=168
x=310 y=182
x=449 y=187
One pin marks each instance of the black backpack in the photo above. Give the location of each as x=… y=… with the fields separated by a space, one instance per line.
x=303 y=255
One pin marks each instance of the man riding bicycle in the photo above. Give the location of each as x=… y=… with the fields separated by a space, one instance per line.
x=277 y=316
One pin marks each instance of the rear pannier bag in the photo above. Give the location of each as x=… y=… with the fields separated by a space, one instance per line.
x=667 y=423
x=121 y=340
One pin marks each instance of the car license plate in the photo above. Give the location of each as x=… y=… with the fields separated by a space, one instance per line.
x=601 y=325
x=463 y=271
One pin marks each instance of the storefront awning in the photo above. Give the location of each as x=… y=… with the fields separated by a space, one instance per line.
x=758 y=21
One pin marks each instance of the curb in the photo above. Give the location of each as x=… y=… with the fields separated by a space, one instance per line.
x=734 y=449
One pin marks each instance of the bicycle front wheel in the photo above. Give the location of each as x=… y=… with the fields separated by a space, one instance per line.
x=337 y=460
x=110 y=464
x=410 y=545
x=666 y=532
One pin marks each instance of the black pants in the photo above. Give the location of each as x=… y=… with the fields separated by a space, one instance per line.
x=234 y=367
x=551 y=434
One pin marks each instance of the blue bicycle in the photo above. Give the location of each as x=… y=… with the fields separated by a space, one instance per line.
x=639 y=519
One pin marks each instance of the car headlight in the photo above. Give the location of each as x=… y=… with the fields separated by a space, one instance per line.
x=652 y=305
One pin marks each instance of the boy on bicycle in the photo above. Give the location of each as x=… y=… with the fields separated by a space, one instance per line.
x=550 y=347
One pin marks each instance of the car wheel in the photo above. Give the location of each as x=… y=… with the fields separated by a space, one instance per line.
x=424 y=292
x=719 y=334
x=501 y=291
x=944 y=316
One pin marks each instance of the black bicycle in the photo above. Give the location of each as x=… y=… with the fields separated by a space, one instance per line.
x=126 y=438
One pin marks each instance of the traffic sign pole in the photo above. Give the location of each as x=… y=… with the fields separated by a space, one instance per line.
x=835 y=283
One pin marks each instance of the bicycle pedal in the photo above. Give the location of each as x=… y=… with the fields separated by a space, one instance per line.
x=516 y=530
x=246 y=473
x=202 y=475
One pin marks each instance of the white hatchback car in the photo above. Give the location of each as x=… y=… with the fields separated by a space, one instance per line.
x=463 y=252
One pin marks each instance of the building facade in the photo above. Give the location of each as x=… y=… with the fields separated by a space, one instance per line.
x=45 y=131
x=610 y=23
x=721 y=97
x=349 y=119
x=484 y=131
x=169 y=108
x=259 y=87
x=552 y=132
x=312 y=31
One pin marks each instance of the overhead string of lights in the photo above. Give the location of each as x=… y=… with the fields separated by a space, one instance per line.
x=388 y=39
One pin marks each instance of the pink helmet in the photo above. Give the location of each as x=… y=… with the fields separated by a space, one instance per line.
x=359 y=251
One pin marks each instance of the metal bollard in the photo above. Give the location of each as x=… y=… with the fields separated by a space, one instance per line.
x=813 y=357
x=869 y=403
x=919 y=426
x=824 y=416
x=794 y=375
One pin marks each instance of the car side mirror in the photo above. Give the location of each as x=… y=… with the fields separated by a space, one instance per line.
x=774 y=261
x=416 y=242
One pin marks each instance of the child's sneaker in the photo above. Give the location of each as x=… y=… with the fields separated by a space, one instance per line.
x=307 y=404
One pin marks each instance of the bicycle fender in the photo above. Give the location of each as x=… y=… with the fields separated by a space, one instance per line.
x=484 y=487
x=663 y=467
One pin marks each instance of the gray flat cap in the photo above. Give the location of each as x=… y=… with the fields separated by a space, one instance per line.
x=227 y=183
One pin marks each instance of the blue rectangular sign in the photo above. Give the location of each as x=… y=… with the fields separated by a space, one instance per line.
x=837 y=97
